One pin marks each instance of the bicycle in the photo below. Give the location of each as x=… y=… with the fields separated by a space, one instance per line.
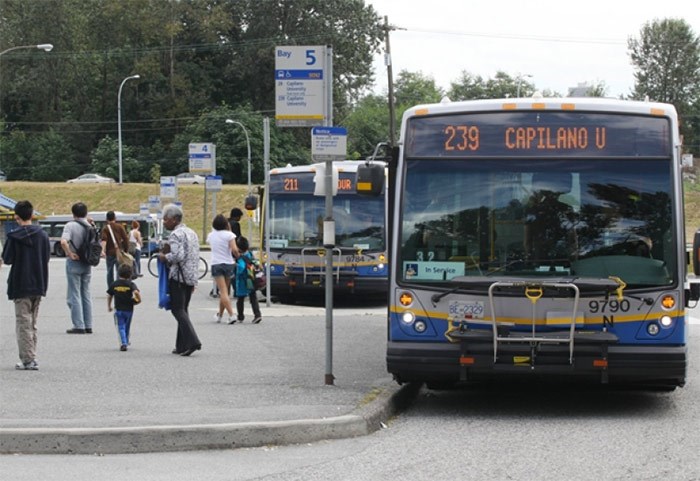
x=203 y=267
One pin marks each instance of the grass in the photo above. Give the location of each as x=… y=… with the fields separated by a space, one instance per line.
x=58 y=197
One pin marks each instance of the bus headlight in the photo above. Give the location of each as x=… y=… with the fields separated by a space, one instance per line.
x=653 y=329
x=666 y=321
x=408 y=317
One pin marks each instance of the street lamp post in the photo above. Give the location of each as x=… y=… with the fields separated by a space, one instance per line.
x=46 y=47
x=520 y=79
x=119 y=121
x=247 y=140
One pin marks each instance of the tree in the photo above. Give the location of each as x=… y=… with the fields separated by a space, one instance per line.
x=666 y=57
x=412 y=88
x=367 y=124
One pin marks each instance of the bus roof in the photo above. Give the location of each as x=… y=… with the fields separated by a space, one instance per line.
x=546 y=103
x=342 y=166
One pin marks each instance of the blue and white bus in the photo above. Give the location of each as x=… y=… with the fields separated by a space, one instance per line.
x=297 y=255
x=541 y=238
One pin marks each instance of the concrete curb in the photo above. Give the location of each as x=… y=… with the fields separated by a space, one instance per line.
x=385 y=402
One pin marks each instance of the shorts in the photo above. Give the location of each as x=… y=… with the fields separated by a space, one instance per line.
x=223 y=270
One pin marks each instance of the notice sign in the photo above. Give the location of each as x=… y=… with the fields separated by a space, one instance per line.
x=300 y=86
x=329 y=143
x=168 y=188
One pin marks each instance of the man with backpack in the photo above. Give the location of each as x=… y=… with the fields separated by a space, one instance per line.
x=76 y=238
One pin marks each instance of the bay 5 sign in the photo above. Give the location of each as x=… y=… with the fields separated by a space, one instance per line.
x=301 y=85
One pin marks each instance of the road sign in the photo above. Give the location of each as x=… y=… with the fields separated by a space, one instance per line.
x=168 y=187
x=202 y=158
x=329 y=143
x=212 y=183
x=300 y=86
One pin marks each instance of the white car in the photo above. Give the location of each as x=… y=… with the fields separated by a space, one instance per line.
x=91 y=179
x=3 y=177
x=187 y=178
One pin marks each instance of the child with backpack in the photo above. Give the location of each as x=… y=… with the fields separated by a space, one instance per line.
x=126 y=295
x=245 y=286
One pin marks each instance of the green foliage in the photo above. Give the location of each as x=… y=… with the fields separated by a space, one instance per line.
x=192 y=56
x=367 y=124
x=666 y=57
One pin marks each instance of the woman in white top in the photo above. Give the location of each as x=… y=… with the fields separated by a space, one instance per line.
x=223 y=247
x=135 y=246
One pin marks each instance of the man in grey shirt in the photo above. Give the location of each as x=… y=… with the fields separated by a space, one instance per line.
x=78 y=273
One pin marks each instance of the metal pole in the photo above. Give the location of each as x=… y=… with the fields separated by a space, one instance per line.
x=390 y=80
x=119 y=122
x=266 y=204
x=329 y=219
x=250 y=188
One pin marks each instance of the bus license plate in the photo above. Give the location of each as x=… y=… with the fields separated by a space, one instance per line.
x=466 y=310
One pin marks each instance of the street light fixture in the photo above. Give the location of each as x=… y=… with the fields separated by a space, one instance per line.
x=520 y=79
x=247 y=140
x=119 y=121
x=47 y=47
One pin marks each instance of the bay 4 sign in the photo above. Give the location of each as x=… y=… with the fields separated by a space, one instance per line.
x=202 y=157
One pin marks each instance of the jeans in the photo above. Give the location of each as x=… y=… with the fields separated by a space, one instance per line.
x=137 y=262
x=26 y=311
x=78 y=275
x=111 y=266
x=123 y=321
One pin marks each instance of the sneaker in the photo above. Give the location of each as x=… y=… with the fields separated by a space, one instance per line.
x=88 y=330
x=257 y=319
x=232 y=320
x=29 y=366
x=217 y=317
x=75 y=331
x=123 y=348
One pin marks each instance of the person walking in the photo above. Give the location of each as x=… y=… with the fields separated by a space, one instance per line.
x=181 y=254
x=109 y=248
x=135 y=246
x=234 y=221
x=78 y=273
x=27 y=252
x=244 y=284
x=126 y=295
x=223 y=248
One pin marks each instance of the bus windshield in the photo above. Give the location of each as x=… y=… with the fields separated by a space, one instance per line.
x=297 y=221
x=531 y=217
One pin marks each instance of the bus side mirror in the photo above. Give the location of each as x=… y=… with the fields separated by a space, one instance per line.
x=369 y=180
x=696 y=253
x=251 y=202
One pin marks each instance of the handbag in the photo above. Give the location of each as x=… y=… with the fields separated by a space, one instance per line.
x=122 y=257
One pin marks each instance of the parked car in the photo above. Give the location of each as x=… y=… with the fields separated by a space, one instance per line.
x=91 y=179
x=3 y=177
x=187 y=178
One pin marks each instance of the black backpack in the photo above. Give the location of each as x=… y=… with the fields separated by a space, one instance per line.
x=90 y=251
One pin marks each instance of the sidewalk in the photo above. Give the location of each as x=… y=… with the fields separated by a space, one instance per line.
x=250 y=385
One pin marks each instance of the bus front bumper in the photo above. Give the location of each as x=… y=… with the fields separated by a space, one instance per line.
x=453 y=363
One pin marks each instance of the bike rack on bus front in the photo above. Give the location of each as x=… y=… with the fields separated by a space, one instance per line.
x=321 y=272
x=534 y=291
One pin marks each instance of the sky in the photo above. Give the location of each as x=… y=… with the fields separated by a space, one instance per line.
x=552 y=44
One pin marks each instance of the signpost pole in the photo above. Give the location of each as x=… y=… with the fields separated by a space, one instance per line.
x=329 y=244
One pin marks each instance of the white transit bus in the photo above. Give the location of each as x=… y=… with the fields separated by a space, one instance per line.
x=538 y=238
x=297 y=262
